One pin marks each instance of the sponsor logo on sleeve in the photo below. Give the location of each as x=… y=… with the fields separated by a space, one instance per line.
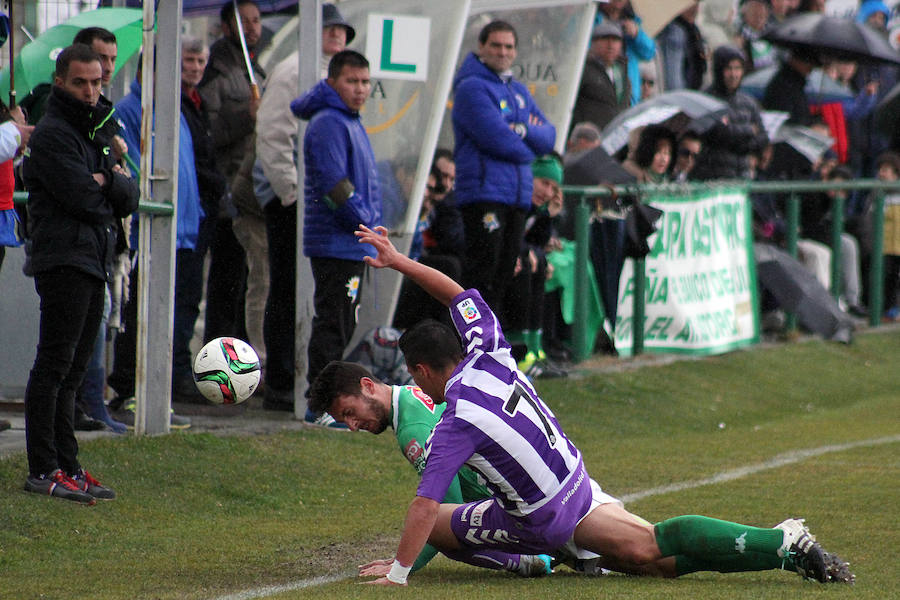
x=468 y=311
x=415 y=454
x=422 y=397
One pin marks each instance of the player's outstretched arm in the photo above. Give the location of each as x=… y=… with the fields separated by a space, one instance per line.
x=439 y=286
x=420 y=519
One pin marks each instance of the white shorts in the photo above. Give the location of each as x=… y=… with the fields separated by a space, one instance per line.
x=598 y=498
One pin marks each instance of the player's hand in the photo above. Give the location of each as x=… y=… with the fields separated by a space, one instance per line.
x=376 y=568
x=382 y=581
x=378 y=237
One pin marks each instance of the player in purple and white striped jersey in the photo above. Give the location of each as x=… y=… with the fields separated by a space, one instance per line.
x=496 y=423
x=544 y=500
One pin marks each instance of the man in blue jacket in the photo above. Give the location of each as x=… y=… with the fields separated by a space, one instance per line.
x=188 y=271
x=499 y=131
x=340 y=191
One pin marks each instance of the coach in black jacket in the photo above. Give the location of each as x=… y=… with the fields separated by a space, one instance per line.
x=76 y=193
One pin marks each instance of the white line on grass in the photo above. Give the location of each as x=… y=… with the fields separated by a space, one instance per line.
x=271 y=590
x=781 y=460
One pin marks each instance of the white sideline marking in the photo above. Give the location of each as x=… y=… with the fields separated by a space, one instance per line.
x=271 y=590
x=781 y=460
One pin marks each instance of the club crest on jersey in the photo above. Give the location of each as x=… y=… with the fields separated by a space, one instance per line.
x=520 y=100
x=353 y=288
x=468 y=311
x=490 y=221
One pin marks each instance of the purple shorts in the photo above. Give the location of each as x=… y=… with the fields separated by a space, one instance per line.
x=485 y=524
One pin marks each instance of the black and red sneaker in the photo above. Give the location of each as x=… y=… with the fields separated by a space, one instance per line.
x=88 y=484
x=60 y=485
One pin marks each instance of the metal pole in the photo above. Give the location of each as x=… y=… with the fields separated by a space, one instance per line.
x=876 y=268
x=837 y=230
x=793 y=222
x=254 y=88
x=637 y=321
x=161 y=117
x=583 y=345
x=12 y=55
x=310 y=40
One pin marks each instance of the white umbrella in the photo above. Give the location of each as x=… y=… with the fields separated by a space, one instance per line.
x=659 y=109
x=656 y=14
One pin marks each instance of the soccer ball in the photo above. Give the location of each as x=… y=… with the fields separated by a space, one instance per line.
x=226 y=370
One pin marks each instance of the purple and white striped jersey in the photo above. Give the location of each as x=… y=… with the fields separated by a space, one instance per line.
x=495 y=422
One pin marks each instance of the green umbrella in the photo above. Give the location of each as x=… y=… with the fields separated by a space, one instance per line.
x=36 y=61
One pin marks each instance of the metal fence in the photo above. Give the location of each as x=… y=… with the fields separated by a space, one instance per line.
x=792 y=190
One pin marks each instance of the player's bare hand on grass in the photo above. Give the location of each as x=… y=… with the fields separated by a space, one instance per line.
x=376 y=568
x=378 y=237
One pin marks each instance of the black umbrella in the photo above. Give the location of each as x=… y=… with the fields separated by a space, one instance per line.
x=887 y=113
x=591 y=167
x=835 y=38
x=798 y=291
x=595 y=167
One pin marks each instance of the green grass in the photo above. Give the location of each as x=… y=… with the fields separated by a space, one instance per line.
x=201 y=516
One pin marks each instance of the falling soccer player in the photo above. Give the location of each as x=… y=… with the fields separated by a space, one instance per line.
x=543 y=500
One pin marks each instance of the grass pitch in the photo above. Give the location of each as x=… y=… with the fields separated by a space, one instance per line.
x=201 y=516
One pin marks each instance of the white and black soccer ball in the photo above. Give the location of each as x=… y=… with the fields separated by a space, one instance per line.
x=226 y=370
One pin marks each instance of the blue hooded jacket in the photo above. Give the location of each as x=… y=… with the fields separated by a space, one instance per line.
x=869 y=7
x=493 y=163
x=335 y=147
x=190 y=211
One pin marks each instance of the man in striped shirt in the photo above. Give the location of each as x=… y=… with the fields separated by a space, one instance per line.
x=544 y=500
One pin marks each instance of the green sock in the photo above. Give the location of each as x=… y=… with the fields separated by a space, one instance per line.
x=515 y=337
x=748 y=561
x=716 y=545
x=529 y=339
x=526 y=362
x=538 y=337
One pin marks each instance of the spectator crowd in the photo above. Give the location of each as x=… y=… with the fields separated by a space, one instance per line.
x=491 y=218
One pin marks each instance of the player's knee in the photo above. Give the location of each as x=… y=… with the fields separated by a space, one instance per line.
x=640 y=550
x=638 y=553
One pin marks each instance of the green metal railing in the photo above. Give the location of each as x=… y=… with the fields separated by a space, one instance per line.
x=150 y=208
x=583 y=346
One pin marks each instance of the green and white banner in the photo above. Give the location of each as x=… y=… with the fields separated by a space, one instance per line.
x=700 y=290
